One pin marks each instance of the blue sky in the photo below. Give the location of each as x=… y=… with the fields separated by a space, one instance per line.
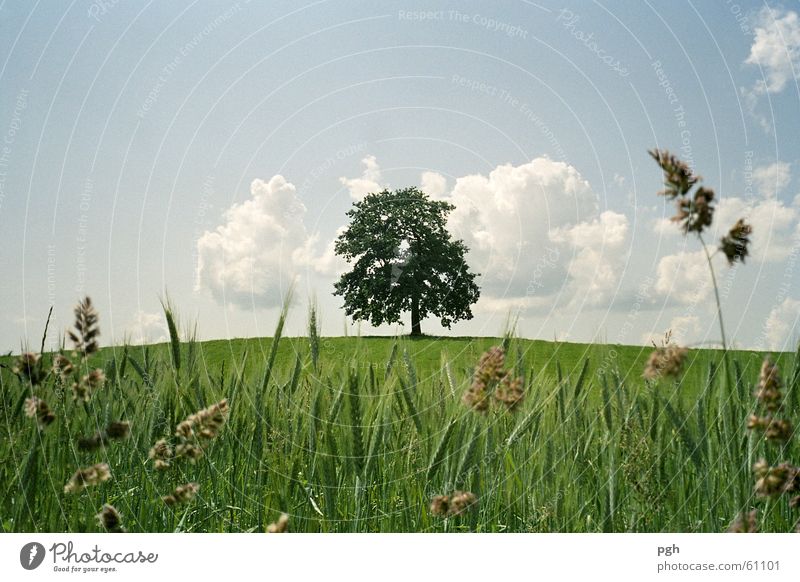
x=211 y=149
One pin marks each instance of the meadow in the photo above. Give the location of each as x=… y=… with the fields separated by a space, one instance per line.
x=365 y=434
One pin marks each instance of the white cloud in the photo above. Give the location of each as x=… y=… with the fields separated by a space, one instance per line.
x=684 y=277
x=781 y=326
x=775 y=49
x=666 y=227
x=599 y=246
x=772 y=180
x=370 y=181
x=255 y=254
x=433 y=184
x=505 y=219
x=533 y=230
x=329 y=263
x=504 y=305
x=146 y=328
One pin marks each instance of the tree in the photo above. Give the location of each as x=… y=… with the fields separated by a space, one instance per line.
x=403 y=259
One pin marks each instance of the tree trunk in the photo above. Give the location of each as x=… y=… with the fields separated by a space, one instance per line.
x=416 y=329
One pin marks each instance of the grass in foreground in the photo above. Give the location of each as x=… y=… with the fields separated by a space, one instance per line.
x=362 y=434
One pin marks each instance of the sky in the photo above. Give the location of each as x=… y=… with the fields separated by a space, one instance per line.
x=208 y=151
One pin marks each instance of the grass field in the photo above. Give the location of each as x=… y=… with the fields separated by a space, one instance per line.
x=359 y=434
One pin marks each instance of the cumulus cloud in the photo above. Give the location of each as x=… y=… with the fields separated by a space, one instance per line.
x=252 y=257
x=329 y=263
x=775 y=49
x=505 y=219
x=533 y=230
x=781 y=325
x=771 y=180
x=433 y=184
x=146 y=328
x=599 y=247
x=370 y=180
x=684 y=277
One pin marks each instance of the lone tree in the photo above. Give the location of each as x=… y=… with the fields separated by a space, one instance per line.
x=404 y=260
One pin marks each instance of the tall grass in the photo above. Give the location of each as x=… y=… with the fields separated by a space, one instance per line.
x=362 y=440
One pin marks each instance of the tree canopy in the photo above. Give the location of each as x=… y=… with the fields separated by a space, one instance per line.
x=404 y=259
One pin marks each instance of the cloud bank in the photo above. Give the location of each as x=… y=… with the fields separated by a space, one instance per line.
x=252 y=257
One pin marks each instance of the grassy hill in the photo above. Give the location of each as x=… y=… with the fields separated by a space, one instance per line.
x=363 y=433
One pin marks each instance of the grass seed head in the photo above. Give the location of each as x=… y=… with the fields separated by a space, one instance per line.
x=118 y=430
x=774 y=429
x=452 y=505
x=189 y=451
x=88 y=384
x=461 y=501
x=110 y=519
x=697 y=214
x=161 y=453
x=91 y=443
x=279 y=526
x=37 y=408
x=440 y=505
x=678 y=177
x=204 y=424
x=745 y=523
x=510 y=392
x=62 y=367
x=28 y=365
x=665 y=361
x=491 y=380
x=182 y=494
x=768 y=391
x=86 y=329
x=88 y=477
x=773 y=481
x=734 y=245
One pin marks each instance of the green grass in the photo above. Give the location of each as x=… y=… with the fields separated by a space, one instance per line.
x=361 y=436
